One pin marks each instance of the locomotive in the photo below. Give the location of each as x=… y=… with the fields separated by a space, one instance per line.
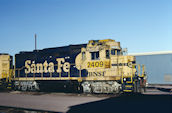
x=97 y=67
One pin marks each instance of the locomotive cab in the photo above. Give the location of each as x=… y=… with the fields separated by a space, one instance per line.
x=107 y=56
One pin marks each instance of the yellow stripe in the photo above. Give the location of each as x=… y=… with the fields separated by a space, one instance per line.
x=128 y=86
x=127 y=90
x=70 y=78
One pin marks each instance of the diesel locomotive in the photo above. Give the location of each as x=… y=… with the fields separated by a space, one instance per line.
x=97 y=67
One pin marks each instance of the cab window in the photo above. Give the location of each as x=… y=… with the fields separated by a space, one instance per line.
x=113 y=52
x=118 y=52
x=83 y=56
x=95 y=55
x=107 y=54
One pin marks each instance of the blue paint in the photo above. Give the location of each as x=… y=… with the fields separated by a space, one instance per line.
x=69 y=53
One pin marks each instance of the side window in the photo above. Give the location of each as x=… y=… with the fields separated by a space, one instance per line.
x=107 y=54
x=83 y=56
x=95 y=55
x=113 y=51
x=118 y=52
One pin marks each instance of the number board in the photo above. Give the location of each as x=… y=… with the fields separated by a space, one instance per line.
x=95 y=64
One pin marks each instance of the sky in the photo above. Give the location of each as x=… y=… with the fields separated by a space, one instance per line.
x=140 y=25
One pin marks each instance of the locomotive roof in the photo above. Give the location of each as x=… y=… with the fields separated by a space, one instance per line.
x=4 y=54
x=62 y=48
x=65 y=48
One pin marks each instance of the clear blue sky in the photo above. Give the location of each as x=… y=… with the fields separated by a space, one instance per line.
x=140 y=25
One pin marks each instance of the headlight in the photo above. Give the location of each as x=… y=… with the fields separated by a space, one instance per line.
x=124 y=79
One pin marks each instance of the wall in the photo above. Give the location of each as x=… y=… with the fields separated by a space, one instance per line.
x=158 y=67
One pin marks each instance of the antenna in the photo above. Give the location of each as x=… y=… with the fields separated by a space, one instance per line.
x=35 y=42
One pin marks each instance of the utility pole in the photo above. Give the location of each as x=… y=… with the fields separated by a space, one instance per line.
x=35 y=42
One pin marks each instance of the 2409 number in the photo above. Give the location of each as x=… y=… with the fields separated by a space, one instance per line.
x=95 y=64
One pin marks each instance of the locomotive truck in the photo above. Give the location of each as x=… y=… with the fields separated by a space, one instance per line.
x=97 y=67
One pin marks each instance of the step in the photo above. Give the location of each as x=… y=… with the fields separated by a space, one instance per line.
x=8 y=87
x=127 y=90
x=128 y=86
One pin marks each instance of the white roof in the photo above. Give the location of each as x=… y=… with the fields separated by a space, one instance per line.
x=151 y=53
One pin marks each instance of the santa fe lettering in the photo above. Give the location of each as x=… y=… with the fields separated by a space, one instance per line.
x=32 y=67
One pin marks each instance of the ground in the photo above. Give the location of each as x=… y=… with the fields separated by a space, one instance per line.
x=153 y=101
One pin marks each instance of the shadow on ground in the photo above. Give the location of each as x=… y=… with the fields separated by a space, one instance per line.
x=127 y=104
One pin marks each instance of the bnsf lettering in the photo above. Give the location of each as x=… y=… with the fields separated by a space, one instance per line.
x=46 y=67
x=95 y=64
x=95 y=74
